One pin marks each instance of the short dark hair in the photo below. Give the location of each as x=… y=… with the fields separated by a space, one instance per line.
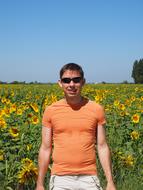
x=72 y=67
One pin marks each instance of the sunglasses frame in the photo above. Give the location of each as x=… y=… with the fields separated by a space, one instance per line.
x=67 y=80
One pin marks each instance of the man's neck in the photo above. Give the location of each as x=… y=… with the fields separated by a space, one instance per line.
x=74 y=100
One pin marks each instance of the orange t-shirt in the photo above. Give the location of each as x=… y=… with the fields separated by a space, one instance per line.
x=74 y=136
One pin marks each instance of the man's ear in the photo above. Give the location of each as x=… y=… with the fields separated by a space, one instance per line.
x=59 y=83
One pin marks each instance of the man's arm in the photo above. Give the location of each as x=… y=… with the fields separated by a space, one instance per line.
x=104 y=156
x=44 y=156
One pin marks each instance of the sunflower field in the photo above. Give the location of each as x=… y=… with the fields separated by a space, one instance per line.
x=21 y=109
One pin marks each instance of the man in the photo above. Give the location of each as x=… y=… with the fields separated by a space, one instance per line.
x=74 y=124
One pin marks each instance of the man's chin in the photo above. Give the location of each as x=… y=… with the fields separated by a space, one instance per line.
x=71 y=95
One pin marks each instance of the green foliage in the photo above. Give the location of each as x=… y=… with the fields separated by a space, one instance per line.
x=137 y=72
x=19 y=104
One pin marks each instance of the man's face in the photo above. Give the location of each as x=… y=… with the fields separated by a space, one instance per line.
x=71 y=83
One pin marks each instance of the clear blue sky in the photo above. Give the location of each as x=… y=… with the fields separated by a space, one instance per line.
x=37 y=37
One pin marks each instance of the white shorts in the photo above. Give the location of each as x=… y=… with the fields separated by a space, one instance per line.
x=74 y=182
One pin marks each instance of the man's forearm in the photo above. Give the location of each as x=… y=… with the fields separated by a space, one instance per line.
x=43 y=162
x=105 y=160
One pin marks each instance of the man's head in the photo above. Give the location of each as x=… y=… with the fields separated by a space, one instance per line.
x=72 y=67
x=71 y=80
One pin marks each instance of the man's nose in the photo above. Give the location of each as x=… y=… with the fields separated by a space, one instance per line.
x=71 y=83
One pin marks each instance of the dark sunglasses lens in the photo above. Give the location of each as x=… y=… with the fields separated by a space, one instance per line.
x=68 y=80
x=76 y=79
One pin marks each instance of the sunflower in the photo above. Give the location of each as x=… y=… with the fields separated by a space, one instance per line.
x=13 y=107
x=35 y=120
x=12 y=93
x=122 y=113
x=1 y=113
x=14 y=132
x=129 y=160
x=127 y=102
x=3 y=100
x=7 y=101
x=28 y=147
x=7 y=112
x=53 y=98
x=1 y=155
x=135 y=118
x=116 y=102
x=29 y=115
x=121 y=107
x=19 y=111
x=133 y=98
x=26 y=161
x=27 y=173
x=34 y=107
x=134 y=135
x=2 y=123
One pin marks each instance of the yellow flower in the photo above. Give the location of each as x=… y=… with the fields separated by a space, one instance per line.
x=97 y=98
x=26 y=106
x=1 y=155
x=1 y=113
x=35 y=120
x=3 y=100
x=7 y=112
x=127 y=102
x=29 y=115
x=13 y=107
x=134 y=135
x=7 y=101
x=116 y=102
x=122 y=113
x=28 y=96
x=13 y=131
x=53 y=98
x=19 y=111
x=2 y=123
x=29 y=146
x=27 y=173
x=37 y=97
x=26 y=161
x=34 y=107
x=133 y=98
x=12 y=93
x=129 y=160
x=135 y=118
x=121 y=107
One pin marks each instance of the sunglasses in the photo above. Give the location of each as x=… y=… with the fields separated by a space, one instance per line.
x=68 y=80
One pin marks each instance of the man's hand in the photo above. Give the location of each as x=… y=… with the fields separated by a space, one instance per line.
x=110 y=186
x=39 y=187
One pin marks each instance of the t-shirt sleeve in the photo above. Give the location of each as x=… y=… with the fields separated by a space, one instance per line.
x=101 y=118
x=46 y=119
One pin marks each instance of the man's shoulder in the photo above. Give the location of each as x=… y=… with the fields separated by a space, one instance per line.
x=94 y=104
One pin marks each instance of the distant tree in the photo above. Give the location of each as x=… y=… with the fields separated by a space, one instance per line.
x=103 y=82
x=15 y=82
x=18 y=82
x=125 y=82
x=1 y=82
x=137 y=72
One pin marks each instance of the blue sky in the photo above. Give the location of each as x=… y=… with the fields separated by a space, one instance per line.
x=37 y=37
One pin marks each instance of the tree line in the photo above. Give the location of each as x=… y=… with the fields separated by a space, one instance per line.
x=137 y=72
x=137 y=75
